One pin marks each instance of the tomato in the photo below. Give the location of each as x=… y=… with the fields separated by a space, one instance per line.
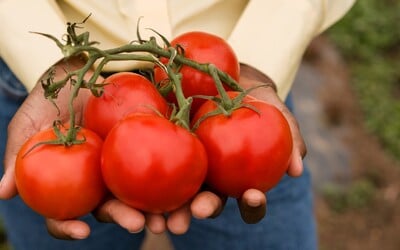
x=248 y=149
x=204 y=48
x=57 y=181
x=124 y=93
x=158 y=168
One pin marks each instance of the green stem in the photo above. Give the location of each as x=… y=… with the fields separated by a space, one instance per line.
x=71 y=134
x=227 y=103
x=80 y=44
x=160 y=52
x=182 y=118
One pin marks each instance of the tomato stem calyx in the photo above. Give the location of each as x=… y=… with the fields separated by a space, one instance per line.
x=65 y=139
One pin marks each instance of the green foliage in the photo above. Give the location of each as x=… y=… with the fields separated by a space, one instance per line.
x=369 y=38
x=371 y=26
x=357 y=196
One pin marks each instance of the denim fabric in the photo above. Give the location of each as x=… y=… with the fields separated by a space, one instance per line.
x=289 y=223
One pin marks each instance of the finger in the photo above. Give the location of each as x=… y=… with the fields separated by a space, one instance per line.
x=299 y=151
x=252 y=206
x=207 y=205
x=296 y=164
x=68 y=230
x=179 y=220
x=114 y=211
x=156 y=223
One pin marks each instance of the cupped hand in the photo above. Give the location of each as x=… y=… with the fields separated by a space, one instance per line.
x=37 y=114
x=253 y=203
x=250 y=78
x=34 y=115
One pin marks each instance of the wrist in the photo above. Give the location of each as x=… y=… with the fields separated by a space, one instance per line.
x=251 y=74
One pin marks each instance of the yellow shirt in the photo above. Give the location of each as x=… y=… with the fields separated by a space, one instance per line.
x=270 y=35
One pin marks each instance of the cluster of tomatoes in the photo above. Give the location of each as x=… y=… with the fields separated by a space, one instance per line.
x=133 y=151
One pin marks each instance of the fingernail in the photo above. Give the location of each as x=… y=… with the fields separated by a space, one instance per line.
x=79 y=234
x=137 y=231
x=300 y=165
x=253 y=202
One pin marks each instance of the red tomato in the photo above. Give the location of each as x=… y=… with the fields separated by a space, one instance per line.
x=203 y=48
x=158 y=168
x=246 y=150
x=57 y=181
x=125 y=93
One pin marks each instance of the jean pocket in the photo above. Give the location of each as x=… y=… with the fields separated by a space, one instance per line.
x=10 y=86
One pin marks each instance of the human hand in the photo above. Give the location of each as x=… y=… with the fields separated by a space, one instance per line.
x=37 y=114
x=34 y=115
x=251 y=77
x=253 y=203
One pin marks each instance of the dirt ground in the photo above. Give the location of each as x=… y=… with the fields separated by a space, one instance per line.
x=374 y=224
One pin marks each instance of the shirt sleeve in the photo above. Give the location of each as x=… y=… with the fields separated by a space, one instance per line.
x=273 y=35
x=29 y=55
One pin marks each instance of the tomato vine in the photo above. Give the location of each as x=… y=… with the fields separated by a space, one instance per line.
x=79 y=44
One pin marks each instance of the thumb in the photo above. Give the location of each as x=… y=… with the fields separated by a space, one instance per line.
x=17 y=135
x=8 y=187
x=27 y=121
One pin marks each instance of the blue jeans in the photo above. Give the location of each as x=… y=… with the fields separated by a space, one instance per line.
x=289 y=223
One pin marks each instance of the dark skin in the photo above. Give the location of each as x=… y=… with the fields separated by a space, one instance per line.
x=37 y=114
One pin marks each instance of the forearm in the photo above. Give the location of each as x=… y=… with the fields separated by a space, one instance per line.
x=29 y=55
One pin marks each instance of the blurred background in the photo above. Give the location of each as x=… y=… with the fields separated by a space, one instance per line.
x=347 y=96
x=348 y=105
